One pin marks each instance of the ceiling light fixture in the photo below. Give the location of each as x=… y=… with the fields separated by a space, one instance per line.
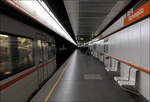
x=39 y=11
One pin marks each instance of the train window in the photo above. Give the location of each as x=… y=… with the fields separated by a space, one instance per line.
x=25 y=51
x=16 y=54
x=45 y=46
x=5 y=54
x=51 y=49
x=41 y=50
x=46 y=50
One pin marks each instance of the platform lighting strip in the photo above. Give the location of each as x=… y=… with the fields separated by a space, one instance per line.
x=39 y=10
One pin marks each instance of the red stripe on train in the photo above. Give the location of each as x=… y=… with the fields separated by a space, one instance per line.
x=9 y=83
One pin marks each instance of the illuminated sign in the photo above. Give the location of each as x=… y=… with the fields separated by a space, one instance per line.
x=137 y=14
x=81 y=38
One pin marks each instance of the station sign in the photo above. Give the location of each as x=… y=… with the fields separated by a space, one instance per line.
x=139 y=11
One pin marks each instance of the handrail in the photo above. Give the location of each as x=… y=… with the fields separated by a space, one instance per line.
x=132 y=65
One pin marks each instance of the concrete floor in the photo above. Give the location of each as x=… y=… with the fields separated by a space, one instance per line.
x=84 y=80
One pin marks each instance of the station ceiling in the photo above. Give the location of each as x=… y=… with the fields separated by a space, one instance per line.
x=88 y=17
x=83 y=17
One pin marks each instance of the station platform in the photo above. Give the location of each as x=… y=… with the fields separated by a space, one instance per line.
x=82 y=78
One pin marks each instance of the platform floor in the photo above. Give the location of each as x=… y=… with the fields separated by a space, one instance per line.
x=84 y=80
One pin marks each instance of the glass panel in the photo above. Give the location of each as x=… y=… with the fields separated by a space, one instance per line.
x=41 y=50
x=16 y=54
x=5 y=54
x=49 y=50
x=25 y=51
x=45 y=45
x=52 y=51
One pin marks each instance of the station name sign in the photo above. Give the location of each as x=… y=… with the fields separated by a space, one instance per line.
x=139 y=11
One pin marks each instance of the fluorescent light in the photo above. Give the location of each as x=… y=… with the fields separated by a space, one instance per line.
x=1 y=35
x=39 y=10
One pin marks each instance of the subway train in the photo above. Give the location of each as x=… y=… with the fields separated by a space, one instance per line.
x=124 y=48
x=27 y=59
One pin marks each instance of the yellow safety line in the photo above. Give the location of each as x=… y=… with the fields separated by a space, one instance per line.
x=54 y=86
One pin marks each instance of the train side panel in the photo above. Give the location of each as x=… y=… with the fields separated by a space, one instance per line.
x=21 y=86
